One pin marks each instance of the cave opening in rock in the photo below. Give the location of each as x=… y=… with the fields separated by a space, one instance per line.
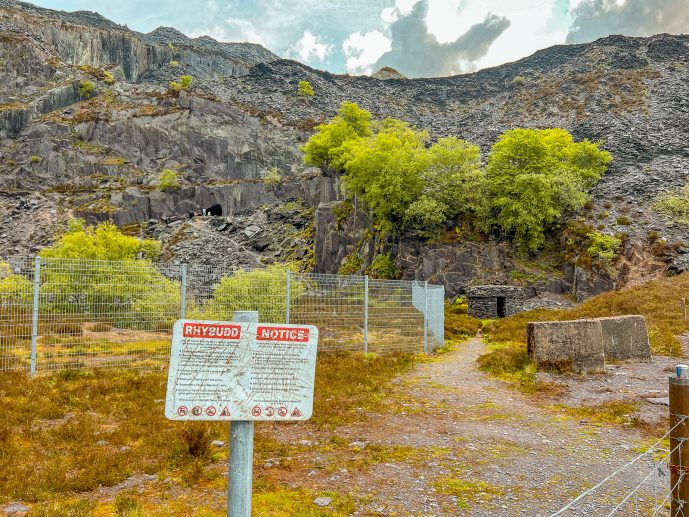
x=214 y=210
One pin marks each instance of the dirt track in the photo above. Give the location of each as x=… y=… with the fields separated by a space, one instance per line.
x=505 y=454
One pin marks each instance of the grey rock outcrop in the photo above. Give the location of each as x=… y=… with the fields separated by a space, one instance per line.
x=101 y=158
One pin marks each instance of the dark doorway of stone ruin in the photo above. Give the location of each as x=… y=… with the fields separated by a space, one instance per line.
x=501 y=306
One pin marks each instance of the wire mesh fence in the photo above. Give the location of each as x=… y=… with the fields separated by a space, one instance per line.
x=75 y=313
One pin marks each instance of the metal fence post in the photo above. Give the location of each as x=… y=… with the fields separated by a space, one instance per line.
x=366 y=314
x=34 y=313
x=288 y=295
x=183 y=294
x=425 y=317
x=679 y=436
x=241 y=454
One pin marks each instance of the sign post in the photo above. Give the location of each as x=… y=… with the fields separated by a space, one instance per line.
x=241 y=371
x=241 y=453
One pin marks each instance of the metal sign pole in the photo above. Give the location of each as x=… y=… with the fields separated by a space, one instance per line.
x=241 y=453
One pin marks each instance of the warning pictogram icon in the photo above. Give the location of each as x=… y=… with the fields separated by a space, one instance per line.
x=282 y=411
x=225 y=412
x=256 y=411
x=196 y=411
x=182 y=410
x=296 y=413
x=210 y=411
x=270 y=411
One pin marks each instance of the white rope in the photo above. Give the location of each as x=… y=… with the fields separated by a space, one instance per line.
x=653 y=470
x=657 y=509
x=622 y=468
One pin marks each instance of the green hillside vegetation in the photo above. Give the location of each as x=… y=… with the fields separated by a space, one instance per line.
x=408 y=184
x=658 y=301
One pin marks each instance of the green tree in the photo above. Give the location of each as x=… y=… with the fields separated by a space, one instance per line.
x=112 y=283
x=102 y=242
x=384 y=171
x=168 y=179
x=534 y=176
x=262 y=290
x=453 y=178
x=323 y=149
x=426 y=217
x=16 y=291
x=305 y=89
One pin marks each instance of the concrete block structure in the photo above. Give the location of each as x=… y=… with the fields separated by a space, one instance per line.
x=585 y=345
x=495 y=301
x=575 y=345
x=625 y=338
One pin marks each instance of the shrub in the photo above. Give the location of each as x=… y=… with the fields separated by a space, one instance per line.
x=168 y=179
x=108 y=78
x=351 y=265
x=383 y=267
x=518 y=80
x=603 y=247
x=35 y=159
x=262 y=290
x=623 y=220
x=461 y=325
x=196 y=437
x=342 y=211
x=272 y=179
x=183 y=84
x=674 y=205
x=174 y=64
x=86 y=89
x=305 y=89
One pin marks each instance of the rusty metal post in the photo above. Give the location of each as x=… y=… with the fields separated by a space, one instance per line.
x=679 y=439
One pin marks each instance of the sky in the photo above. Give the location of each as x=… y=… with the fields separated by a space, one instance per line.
x=419 y=38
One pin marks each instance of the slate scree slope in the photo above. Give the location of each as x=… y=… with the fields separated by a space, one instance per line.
x=63 y=156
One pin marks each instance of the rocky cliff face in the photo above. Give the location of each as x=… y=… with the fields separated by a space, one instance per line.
x=62 y=154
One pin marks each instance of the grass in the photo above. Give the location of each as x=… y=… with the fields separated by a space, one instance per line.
x=659 y=301
x=611 y=412
x=64 y=435
x=467 y=491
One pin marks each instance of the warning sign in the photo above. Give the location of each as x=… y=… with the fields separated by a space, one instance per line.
x=253 y=371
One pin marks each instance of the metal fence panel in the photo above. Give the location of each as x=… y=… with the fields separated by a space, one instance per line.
x=75 y=313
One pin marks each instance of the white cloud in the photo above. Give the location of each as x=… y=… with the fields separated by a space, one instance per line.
x=310 y=49
x=233 y=29
x=528 y=30
x=401 y=8
x=363 y=50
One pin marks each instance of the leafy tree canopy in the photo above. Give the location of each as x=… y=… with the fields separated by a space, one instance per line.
x=533 y=176
x=350 y=123
x=103 y=242
x=531 y=179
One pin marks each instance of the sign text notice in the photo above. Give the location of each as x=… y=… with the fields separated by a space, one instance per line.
x=241 y=371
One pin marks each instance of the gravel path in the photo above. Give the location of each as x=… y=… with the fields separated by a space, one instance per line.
x=462 y=443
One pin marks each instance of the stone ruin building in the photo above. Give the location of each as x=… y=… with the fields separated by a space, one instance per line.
x=495 y=301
